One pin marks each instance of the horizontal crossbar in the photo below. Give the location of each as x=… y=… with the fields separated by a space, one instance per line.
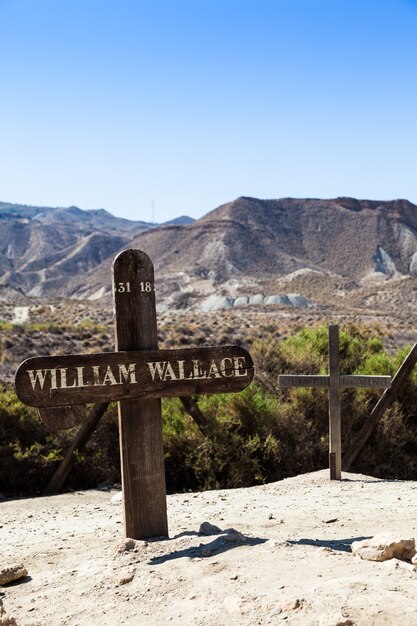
x=293 y=380
x=77 y=379
x=347 y=381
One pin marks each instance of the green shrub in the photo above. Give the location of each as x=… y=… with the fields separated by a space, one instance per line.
x=30 y=451
x=262 y=434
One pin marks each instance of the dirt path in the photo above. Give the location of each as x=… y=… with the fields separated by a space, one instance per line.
x=293 y=565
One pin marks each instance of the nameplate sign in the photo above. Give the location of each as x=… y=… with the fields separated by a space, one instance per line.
x=348 y=381
x=294 y=380
x=113 y=376
x=357 y=381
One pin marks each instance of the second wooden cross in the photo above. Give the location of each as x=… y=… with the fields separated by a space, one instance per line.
x=334 y=382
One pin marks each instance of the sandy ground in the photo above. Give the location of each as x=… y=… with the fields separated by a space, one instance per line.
x=294 y=567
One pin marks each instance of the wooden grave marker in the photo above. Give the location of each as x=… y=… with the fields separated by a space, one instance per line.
x=334 y=382
x=137 y=375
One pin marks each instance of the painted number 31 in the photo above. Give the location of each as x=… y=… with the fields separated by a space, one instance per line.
x=123 y=287
x=146 y=287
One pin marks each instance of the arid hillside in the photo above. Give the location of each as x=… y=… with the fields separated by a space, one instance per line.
x=41 y=248
x=251 y=237
x=355 y=254
x=331 y=252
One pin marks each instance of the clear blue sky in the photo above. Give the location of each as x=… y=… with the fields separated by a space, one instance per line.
x=187 y=104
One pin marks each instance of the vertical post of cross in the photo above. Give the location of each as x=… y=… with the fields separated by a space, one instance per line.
x=140 y=421
x=335 y=438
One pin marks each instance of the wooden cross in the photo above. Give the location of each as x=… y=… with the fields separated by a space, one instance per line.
x=138 y=375
x=334 y=382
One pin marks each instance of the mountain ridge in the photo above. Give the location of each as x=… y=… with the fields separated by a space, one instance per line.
x=238 y=247
x=43 y=246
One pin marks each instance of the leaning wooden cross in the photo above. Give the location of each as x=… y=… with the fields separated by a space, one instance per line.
x=137 y=376
x=334 y=382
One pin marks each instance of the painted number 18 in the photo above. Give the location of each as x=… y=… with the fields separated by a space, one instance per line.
x=147 y=287
x=144 y=287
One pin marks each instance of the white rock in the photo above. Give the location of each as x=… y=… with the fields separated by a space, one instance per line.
x=298 y=301
x=258 y=299
x=383 y=547
x=384 y=263
x=241 y=301
x=216 y=303
x=283 y=300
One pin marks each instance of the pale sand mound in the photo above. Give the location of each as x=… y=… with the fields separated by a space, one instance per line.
x=295 y=566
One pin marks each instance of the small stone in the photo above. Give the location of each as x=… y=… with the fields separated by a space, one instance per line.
x=206 y=552
x=126 y=578
x=276 y=611
x=127 y=545
x=383 y=547
x=130 y=545
x=414 y=560
x=12 y=573
x=209 y=529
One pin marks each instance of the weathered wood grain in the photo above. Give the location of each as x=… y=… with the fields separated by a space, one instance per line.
x=136 y=376
x=81 y=438
x=359 y=381
x=63 y=417
x=384 y=402
x=140 y=421
x=334 y=382
x=335 y=436
x=110 y=376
